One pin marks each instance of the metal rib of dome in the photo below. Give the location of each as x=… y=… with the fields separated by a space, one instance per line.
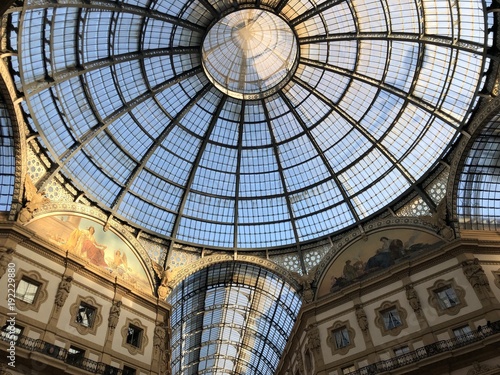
x=120 y=98
x=231 y=318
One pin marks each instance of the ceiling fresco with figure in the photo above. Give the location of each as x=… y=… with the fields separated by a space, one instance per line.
x=87 y=239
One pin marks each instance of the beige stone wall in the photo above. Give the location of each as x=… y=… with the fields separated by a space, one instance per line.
x=58 y=326
x=425 y=326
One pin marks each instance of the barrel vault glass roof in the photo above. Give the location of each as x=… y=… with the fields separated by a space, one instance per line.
x=231 y=318
x=118 y=94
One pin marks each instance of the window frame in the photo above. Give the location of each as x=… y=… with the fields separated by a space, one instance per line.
x=340 y=326
x=380 y=320
x=30 y=284
x=41 y=294
x=405 y=349
x=134 y=336
x=350 y=369
x=128 y=368
x=463 y=333
x=435 y=299
x=132 y=349
x=75 y=359
x=97 y=320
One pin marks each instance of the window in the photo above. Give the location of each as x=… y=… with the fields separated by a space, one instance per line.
x=447 y=297
x=75 y=356
x=391 y=319
x=11 y=332
x=400 y=355
x=31 y=290
x=348 y=370
x=85 y=315
x=134 y=335
x=111 y=370
x=402 y=350
x=341 y=338
x=27 y=290
x=463 y=334
x=128 y=370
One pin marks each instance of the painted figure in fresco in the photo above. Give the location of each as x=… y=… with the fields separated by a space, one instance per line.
x=350 y=272
x=386 y=255
x=83 y=243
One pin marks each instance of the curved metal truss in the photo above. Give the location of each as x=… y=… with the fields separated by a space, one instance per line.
x=232 y=318
x=478 y=186
x=116 y=92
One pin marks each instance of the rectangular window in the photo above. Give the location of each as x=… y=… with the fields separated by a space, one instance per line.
x=27 y=290
x=348 y=370
x=400 y=355
x=75 y=356
x=134 y=335
x=128 y=370
x=341 y=337
x=391 y=319
x=447 y=297
x=402 y=350
x=463 y=333
x=85 y=315
x=110 y=370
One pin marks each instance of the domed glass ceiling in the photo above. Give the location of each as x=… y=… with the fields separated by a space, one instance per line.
x=239 y=158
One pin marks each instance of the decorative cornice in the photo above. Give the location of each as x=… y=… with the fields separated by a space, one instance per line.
x=204 y=262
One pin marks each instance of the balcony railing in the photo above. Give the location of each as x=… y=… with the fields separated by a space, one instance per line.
x=428 y=351
x=54 y=351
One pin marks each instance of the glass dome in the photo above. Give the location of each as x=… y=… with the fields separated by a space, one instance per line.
x=163 y=113
x=249 y=53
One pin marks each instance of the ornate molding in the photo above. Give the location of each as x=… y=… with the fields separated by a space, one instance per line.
x=184 y=272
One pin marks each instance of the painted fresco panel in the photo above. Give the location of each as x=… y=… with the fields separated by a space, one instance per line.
x=87 y=239
x=375 y=253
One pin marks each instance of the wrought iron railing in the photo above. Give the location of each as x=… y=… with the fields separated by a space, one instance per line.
x=54 y=351
x=428 y=351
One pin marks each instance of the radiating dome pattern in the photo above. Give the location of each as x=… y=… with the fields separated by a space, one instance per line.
x=249 y=53
x=354 y=103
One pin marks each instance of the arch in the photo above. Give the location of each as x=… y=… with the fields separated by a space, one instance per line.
x=207 y=261
x=75 y=212
x=224 y=304
x=381 y=245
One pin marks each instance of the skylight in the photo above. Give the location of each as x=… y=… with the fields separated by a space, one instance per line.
x=166 y=114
